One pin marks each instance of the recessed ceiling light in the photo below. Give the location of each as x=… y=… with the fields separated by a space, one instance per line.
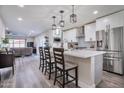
x=7 y=28
x=32 y=31
x=21 y=6
x=95 y=12
x=19 y=19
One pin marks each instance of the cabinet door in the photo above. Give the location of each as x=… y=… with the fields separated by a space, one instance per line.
x=65 y=36
x=101 y=23
x=73 y=34
x=114 y=20
x=117 y=19
x=70 y=35
x=90 y=32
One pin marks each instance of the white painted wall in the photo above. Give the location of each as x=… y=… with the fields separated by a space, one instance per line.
x=38 y=40
x=29 y=40
x=2 y=30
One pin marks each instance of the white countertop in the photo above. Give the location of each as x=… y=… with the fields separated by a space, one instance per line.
x=83 y=53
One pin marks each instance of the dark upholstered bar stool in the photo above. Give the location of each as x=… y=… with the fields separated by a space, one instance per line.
x=50 y=64
x=42 y=59
x=64 y=68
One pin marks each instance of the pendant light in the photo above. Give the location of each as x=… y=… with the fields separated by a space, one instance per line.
x=61 y=22
x=53 y=25
x=73 y=16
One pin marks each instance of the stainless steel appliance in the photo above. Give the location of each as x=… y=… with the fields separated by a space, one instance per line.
x=112 y=41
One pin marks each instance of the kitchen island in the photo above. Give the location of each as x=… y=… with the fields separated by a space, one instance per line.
x=90 y=66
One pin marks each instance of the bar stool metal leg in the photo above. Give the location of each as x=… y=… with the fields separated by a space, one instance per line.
x=76 y=75
x=63 y=85
x=55 y=76
x=50 y=71
x=45 y=68
x=40 y=65
x=67 y=75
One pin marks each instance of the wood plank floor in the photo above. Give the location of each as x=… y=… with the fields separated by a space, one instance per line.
x=27 y=75
x=111 y=80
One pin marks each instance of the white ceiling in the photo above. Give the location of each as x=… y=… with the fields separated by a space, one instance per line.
x=38 y=17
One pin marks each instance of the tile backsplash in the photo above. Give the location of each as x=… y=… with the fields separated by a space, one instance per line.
x=83 y=43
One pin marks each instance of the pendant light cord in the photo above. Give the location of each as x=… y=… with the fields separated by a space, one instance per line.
x=61 y=14
x=54 y=19
x=72 y=9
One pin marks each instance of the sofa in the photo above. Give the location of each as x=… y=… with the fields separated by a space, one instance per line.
x=22 y=51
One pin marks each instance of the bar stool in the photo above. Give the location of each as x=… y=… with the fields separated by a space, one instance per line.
x=42 y=59
x=50 y=64
x=64 y=68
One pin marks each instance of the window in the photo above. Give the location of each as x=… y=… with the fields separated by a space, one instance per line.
x=16 y=43
x=22 y=43
x=10 y=42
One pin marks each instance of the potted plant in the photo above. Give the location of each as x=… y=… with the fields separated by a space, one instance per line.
x=5 y=42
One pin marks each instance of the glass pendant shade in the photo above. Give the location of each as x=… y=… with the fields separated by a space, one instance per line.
x=61 y=22
x=53 y=25
x=73 y=16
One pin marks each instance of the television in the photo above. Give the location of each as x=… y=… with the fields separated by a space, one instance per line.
x=30 y=44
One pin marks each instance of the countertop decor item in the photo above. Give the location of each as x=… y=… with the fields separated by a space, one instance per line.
x=4 y=43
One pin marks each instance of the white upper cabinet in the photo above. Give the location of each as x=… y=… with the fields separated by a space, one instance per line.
x=80 y=32
x=114 y=20
x=90 y=32
x=101 y=23
x=117 y=19
x=70 y=35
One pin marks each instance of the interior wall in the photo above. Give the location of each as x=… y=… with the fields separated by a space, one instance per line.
x=2 y=30
x=38 y=40
x=29 y=40
x=83 y=43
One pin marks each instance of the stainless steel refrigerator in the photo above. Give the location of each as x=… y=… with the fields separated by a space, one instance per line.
x=112 y=41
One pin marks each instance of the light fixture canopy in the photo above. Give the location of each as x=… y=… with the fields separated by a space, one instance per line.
x=61 y=22
x=53 y=25
x=73 y=16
